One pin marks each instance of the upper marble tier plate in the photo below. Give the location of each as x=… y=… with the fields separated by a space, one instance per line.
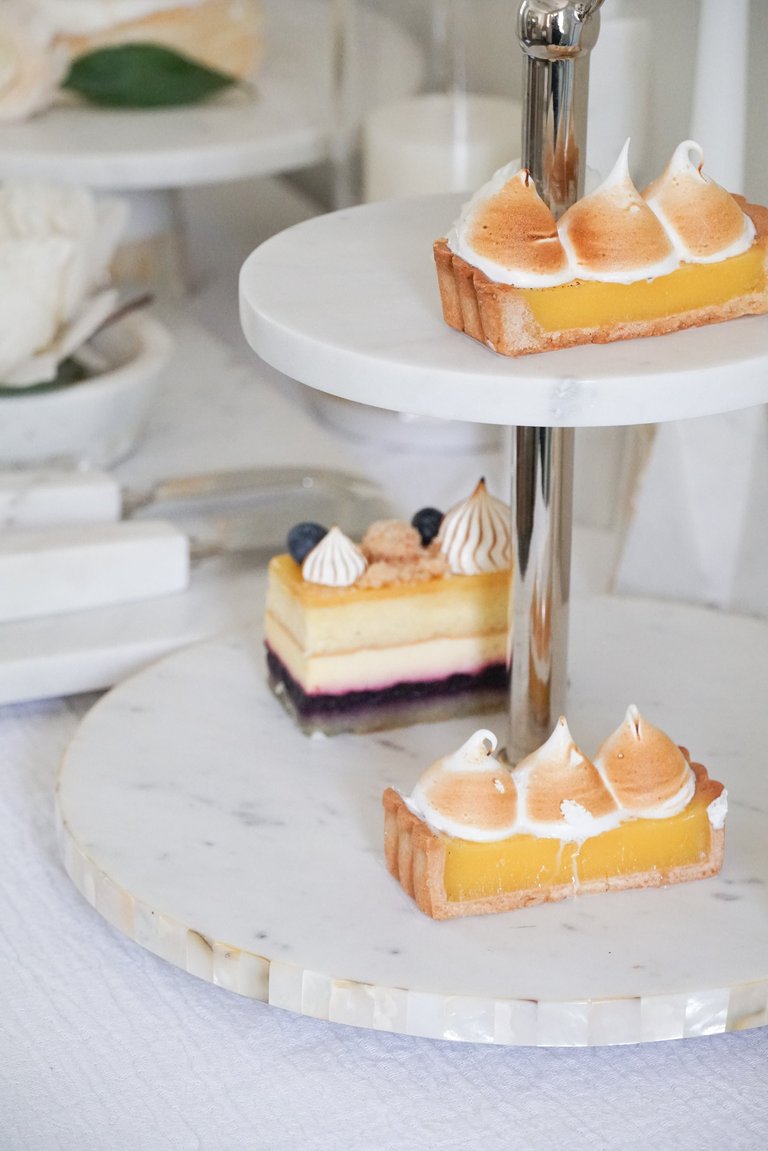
x=348 y=304
x=199 y=820
x=281 y=125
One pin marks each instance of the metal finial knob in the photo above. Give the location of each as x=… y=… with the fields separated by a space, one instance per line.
x=553 y=29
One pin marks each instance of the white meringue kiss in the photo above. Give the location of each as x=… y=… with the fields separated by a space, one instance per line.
x=475 y=535
x=334 y=562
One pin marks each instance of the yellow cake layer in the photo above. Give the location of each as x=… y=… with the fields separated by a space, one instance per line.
x=479 y=870
x=327 y=620
x=587 y=303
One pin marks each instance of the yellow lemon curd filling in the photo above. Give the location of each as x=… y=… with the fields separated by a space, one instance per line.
x=589 y=303
x=521 y=862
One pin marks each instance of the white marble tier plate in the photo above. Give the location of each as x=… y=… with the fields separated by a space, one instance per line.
x=280 y=125
x=197 y=819
x=348 y=304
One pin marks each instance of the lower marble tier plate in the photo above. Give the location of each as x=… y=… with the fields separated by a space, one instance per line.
x=197 y=820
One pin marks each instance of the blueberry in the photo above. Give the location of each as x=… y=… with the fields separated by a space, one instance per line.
x=303 y=537
x=427 y=523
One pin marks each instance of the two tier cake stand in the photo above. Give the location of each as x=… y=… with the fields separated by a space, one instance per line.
x=198 y=820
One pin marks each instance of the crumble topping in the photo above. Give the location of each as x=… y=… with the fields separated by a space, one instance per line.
x=395 y=554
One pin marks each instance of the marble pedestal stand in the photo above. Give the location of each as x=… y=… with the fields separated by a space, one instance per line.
x=200 y=822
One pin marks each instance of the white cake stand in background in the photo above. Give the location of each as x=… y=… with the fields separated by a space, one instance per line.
x=281 y=124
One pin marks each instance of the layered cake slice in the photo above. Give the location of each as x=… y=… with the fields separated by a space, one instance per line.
x=411 y=625
x=475 y=837
x=618 y=264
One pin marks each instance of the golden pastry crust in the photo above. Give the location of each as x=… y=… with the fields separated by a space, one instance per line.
x=500 y=315
x=416 y=857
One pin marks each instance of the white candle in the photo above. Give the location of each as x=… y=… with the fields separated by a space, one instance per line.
x=438 y=143
x=720 y=93
x=624 y=48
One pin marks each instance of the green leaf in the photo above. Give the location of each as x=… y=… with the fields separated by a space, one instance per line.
x=71 y=371
x=142 y=76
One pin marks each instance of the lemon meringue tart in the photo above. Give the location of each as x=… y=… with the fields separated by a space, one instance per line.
x=409 y=626
x=475 y=837
x=617 y=265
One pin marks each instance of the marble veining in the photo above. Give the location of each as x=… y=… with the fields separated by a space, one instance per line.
x=274 y=885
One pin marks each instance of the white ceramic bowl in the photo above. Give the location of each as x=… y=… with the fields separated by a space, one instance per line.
x=99 y=420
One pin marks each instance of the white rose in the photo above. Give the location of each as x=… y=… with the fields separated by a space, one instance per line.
x=32 y=66
x=56 y=244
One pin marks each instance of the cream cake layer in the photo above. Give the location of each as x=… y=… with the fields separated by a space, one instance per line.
x=373 y=668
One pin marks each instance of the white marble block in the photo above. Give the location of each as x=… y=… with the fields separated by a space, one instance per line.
x=46 y=496
x=69 y=568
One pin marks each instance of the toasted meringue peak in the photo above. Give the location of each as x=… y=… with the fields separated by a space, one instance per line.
x=645 y=770
x=612 y=235
x=335 y=561
x=562 y=787
x=468 y=794
x=507 y=231
x=703 y=220
x=475 y=535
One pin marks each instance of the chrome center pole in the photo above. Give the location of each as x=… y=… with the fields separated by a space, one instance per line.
x=556 y=37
